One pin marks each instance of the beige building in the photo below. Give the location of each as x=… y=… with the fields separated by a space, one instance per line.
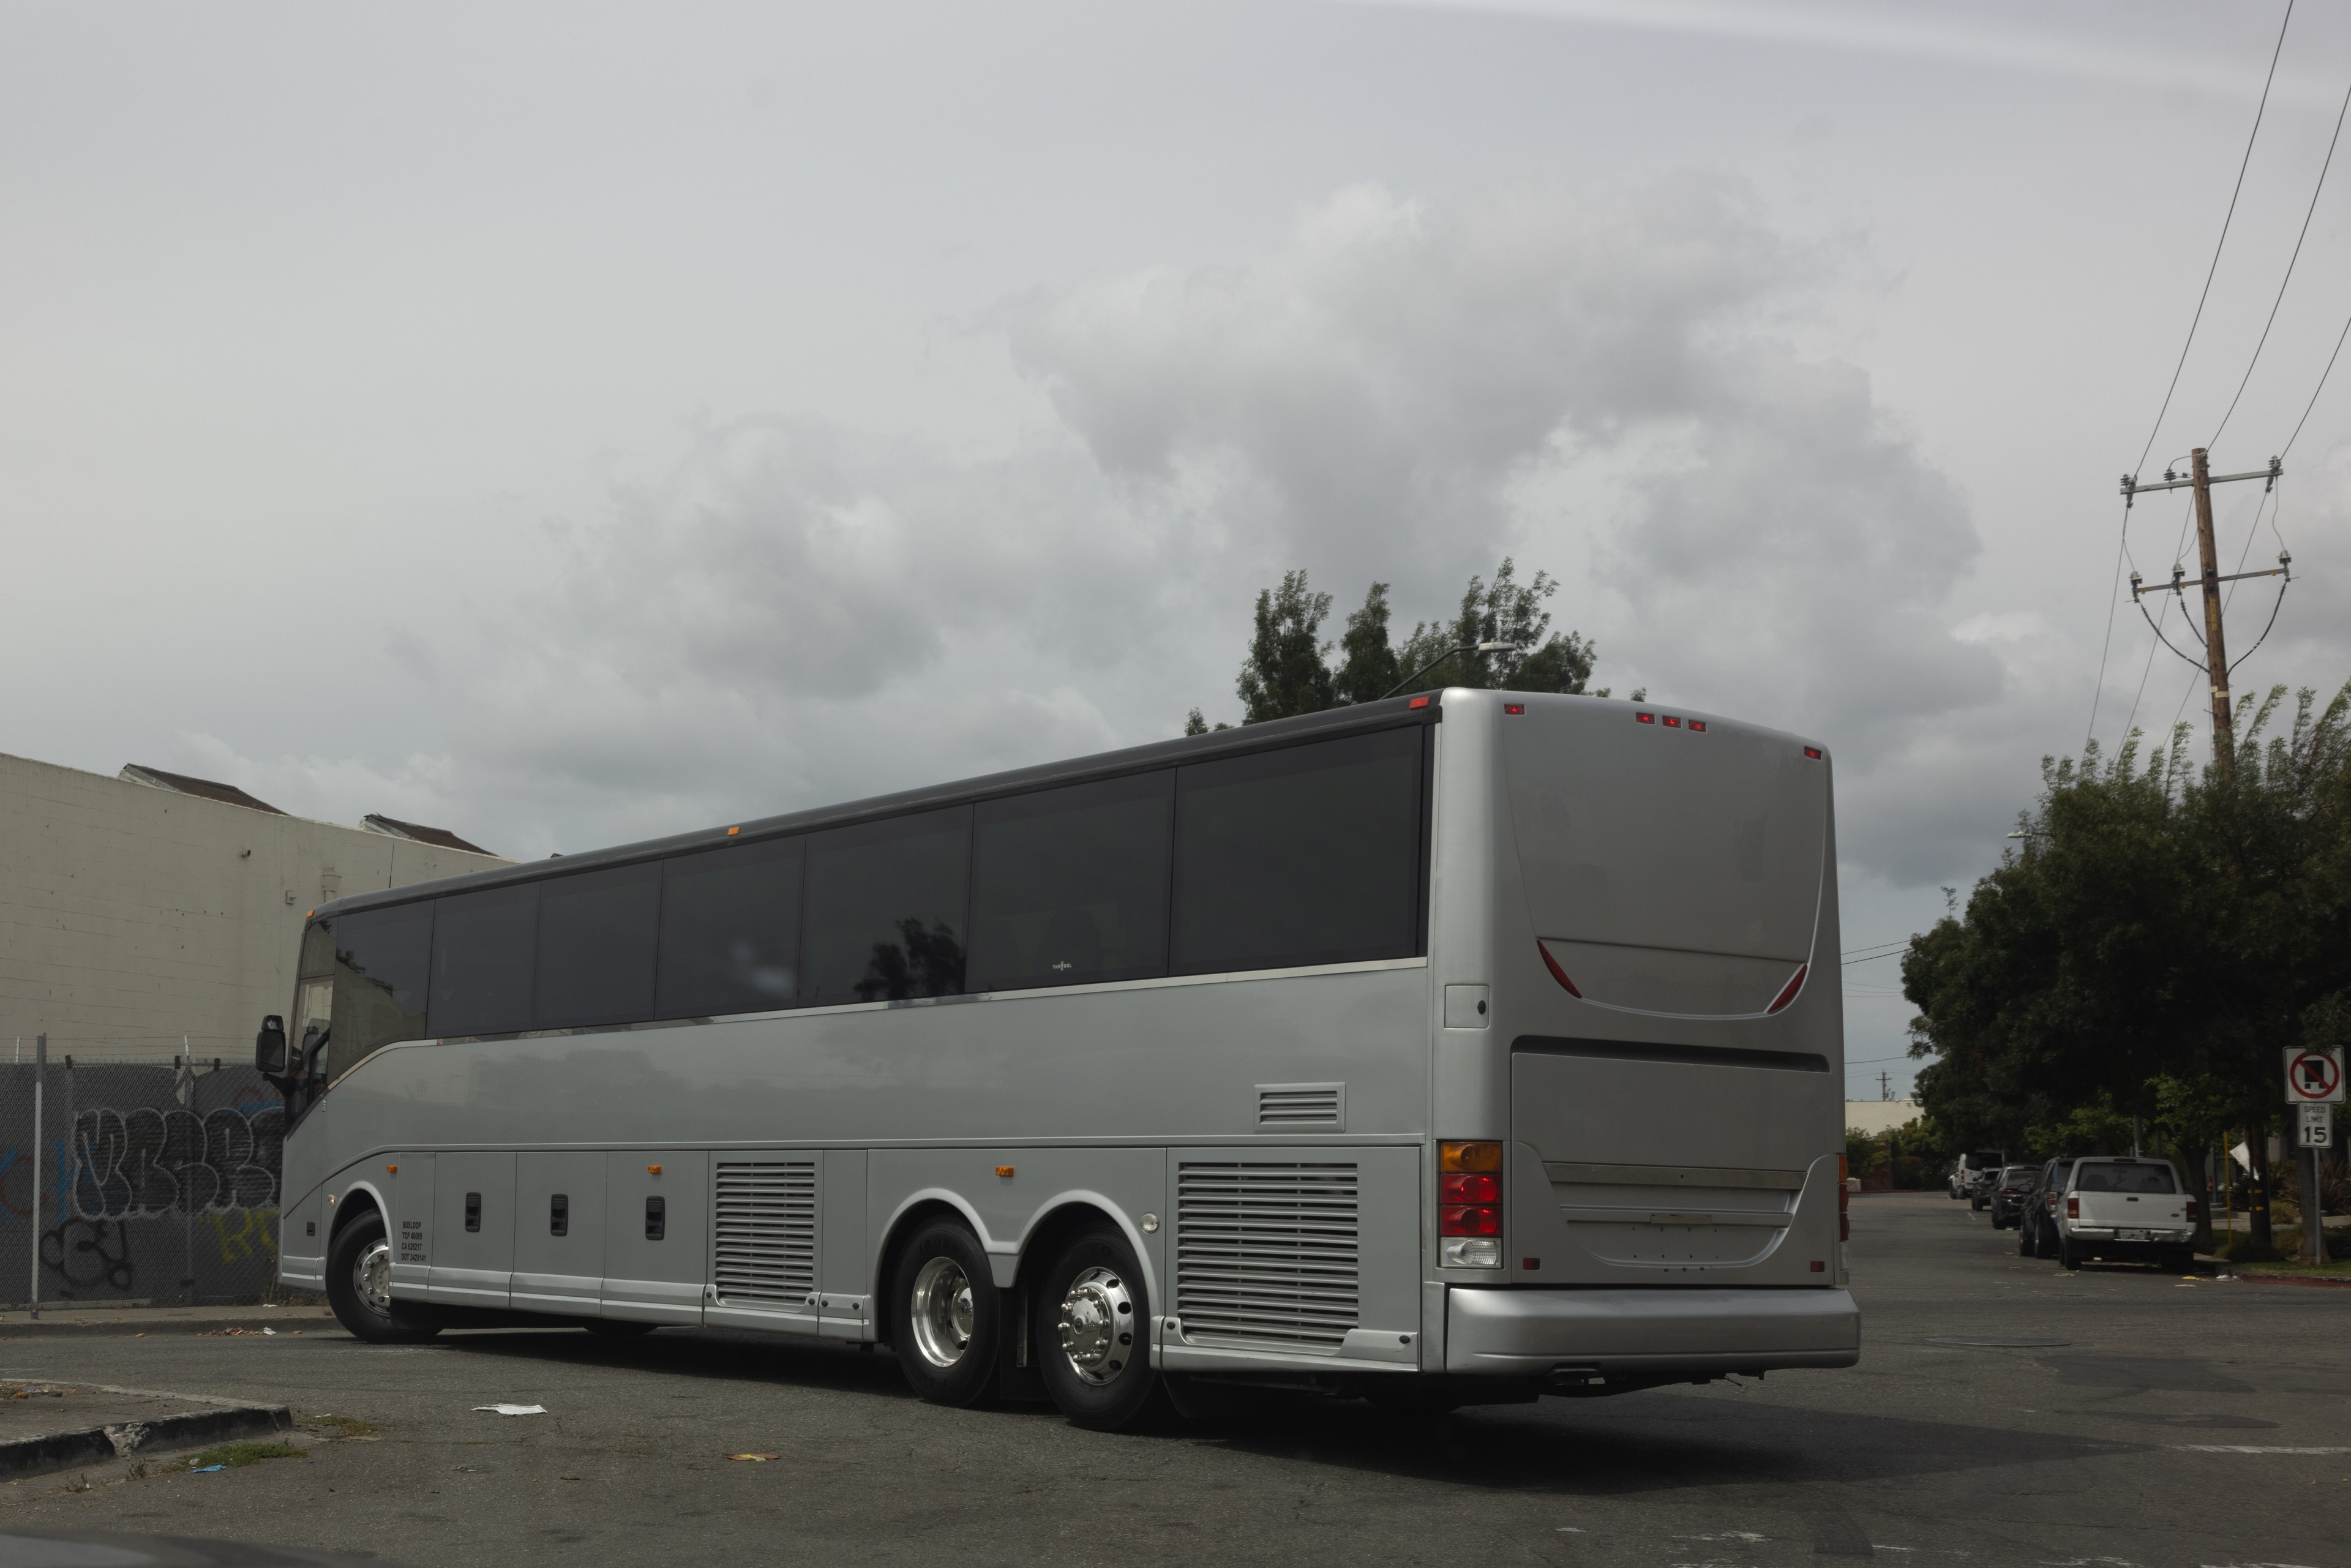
x=149 y=915
x=1875 y=1117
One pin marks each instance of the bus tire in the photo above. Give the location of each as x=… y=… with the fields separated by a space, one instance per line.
x=358 y=1287
x=1092 y=1334
x=947 y=1316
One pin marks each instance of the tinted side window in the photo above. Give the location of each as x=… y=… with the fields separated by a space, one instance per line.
x=885 y=909
x=482 y=944
x=1306 y=855
x=1070 y=886
x=382 y=965
x=596 y=937
x=730 y=930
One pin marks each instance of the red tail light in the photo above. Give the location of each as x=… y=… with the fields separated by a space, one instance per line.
x=2073 y=1208
x=1558 y=974
x=1462 y=1186
x=1795 y=984
x=2191 y=1211
x=1473 y=1219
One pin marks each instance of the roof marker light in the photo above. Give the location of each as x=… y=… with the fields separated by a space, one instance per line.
x=1698 y=725
x=1646 y=717
x=1417 y=702
x=732 y=832
x=1795 y=984
x=1514 y=707
x=1672 y=723
x=1814 y=752
x=1556 y=972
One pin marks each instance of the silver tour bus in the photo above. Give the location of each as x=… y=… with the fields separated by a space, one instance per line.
x=1454 y=1048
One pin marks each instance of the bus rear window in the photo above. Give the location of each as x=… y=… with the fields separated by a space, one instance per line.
x=1306 y=855
x=1647 y=837
x=1069 y=886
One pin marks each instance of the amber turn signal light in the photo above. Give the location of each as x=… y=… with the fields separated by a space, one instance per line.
x=1469 y=1157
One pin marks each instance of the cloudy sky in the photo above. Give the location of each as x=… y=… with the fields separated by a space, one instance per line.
x=574 y=424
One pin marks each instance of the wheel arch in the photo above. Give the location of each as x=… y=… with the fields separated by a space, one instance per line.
x=1062 y=1217
x=911 y=1214
x=359 y=1197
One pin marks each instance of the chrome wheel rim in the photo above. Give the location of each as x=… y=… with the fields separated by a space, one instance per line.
x=372 y=1276
x=1097 y=1325
x=941 y=1313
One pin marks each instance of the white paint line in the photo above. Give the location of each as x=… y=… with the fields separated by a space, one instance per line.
x=2246 y=1448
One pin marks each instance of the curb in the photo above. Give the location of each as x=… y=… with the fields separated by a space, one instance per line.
x=2312 y=1280
x=126 y=1325
x=102 y=1445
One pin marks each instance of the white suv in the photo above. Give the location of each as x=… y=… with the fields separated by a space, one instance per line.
x=2130 y=1211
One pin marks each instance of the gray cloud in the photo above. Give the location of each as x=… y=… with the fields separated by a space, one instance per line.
x=795 y=611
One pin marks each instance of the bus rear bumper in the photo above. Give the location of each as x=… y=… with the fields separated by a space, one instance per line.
x=1538 y=1332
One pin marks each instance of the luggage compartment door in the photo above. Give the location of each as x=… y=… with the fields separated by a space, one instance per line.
x=656 y=1235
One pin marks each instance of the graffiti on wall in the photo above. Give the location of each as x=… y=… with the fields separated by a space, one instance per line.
x=150 y=1186
x=145 y=1163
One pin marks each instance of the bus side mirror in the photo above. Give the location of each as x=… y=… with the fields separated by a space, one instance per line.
x=269 y=1048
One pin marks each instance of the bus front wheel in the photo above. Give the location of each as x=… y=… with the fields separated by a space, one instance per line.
x=358 y=1287
x=1093 y=1331
x=947 y=1323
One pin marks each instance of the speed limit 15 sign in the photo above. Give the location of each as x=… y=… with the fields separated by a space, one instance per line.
x=2313 y=1077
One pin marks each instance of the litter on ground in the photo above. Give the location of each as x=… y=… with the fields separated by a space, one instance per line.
x=513 y=1409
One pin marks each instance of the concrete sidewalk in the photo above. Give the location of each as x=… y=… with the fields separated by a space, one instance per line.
x=72 y=1319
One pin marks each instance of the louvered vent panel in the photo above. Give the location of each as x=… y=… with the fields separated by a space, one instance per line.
x=1282 y=1106
x=1266 y=1252
x=767 y=1230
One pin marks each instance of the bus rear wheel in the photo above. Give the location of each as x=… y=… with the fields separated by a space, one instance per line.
x=1092 y=1334
x=948 y=1325
x=358 y=1287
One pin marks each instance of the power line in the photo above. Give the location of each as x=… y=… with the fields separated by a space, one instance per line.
x=2114 y=593
x=2308 y=212
x=2319 y=388
x=2226 y=219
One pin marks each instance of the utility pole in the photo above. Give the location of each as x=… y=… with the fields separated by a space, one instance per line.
x=1886 y=1086
x=2216 y=651
x=2201 y=478
x=2208 y=557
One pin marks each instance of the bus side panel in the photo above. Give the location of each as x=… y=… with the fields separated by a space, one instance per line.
x=1294 y=1255
x=559 y=1270
x=473 y=1217
x=657 y=1235
x=1140 y=1066
x=849 y=1292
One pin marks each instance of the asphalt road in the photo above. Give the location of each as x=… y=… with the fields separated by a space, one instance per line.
x=2169 y=1424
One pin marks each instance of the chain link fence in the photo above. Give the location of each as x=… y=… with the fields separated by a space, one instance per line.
x=158 y=1183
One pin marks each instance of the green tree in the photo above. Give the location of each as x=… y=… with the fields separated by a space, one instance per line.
x=1284 y=673
x=1504 y=611
x=1288 y=670
x=2140 y=960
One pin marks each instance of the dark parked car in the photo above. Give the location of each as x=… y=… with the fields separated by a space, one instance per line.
x=2036 y=1230
x=2010 y=1192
